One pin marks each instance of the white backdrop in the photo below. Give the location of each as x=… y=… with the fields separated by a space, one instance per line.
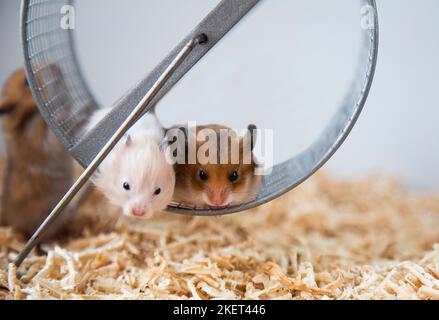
x=285 y=67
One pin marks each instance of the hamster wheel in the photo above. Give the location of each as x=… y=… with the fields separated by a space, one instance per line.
x=66 y=103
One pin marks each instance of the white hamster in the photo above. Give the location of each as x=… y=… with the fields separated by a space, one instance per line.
x=136 y=174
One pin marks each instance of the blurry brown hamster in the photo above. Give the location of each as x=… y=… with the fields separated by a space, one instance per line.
x=38 y=168
x=222 y=183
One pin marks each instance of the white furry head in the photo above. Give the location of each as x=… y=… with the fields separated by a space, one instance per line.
x=137 y=177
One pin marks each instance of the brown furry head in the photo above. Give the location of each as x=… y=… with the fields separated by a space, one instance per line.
x=17 y=100
x=227 y=178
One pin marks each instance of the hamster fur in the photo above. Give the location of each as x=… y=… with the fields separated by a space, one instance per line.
x=136 y=174
x=38 y=170
x=215 y=186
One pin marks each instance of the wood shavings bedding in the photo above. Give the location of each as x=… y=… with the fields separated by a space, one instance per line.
x=328 y=239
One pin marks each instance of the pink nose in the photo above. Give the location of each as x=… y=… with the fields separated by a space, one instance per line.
x=137 y=212
x=217 y=198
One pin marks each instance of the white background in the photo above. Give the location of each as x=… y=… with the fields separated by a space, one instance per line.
x=287 y=66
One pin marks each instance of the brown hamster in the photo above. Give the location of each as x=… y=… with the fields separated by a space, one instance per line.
x=217 y=184
x=38 y=168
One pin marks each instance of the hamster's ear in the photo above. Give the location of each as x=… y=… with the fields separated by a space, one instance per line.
x=128 y=141
x=252 y=134
x=6 y=105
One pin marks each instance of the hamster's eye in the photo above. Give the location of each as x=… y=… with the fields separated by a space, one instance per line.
x=203 y=175
x=126 y=186
x=234 y=176
x=157 y=192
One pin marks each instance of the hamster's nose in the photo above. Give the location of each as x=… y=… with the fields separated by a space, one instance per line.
x=137 y=212
x=217 y=199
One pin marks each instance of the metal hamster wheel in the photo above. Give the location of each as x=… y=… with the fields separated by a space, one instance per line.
x=66 y=103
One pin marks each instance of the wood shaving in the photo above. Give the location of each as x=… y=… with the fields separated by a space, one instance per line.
x=327 y=239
